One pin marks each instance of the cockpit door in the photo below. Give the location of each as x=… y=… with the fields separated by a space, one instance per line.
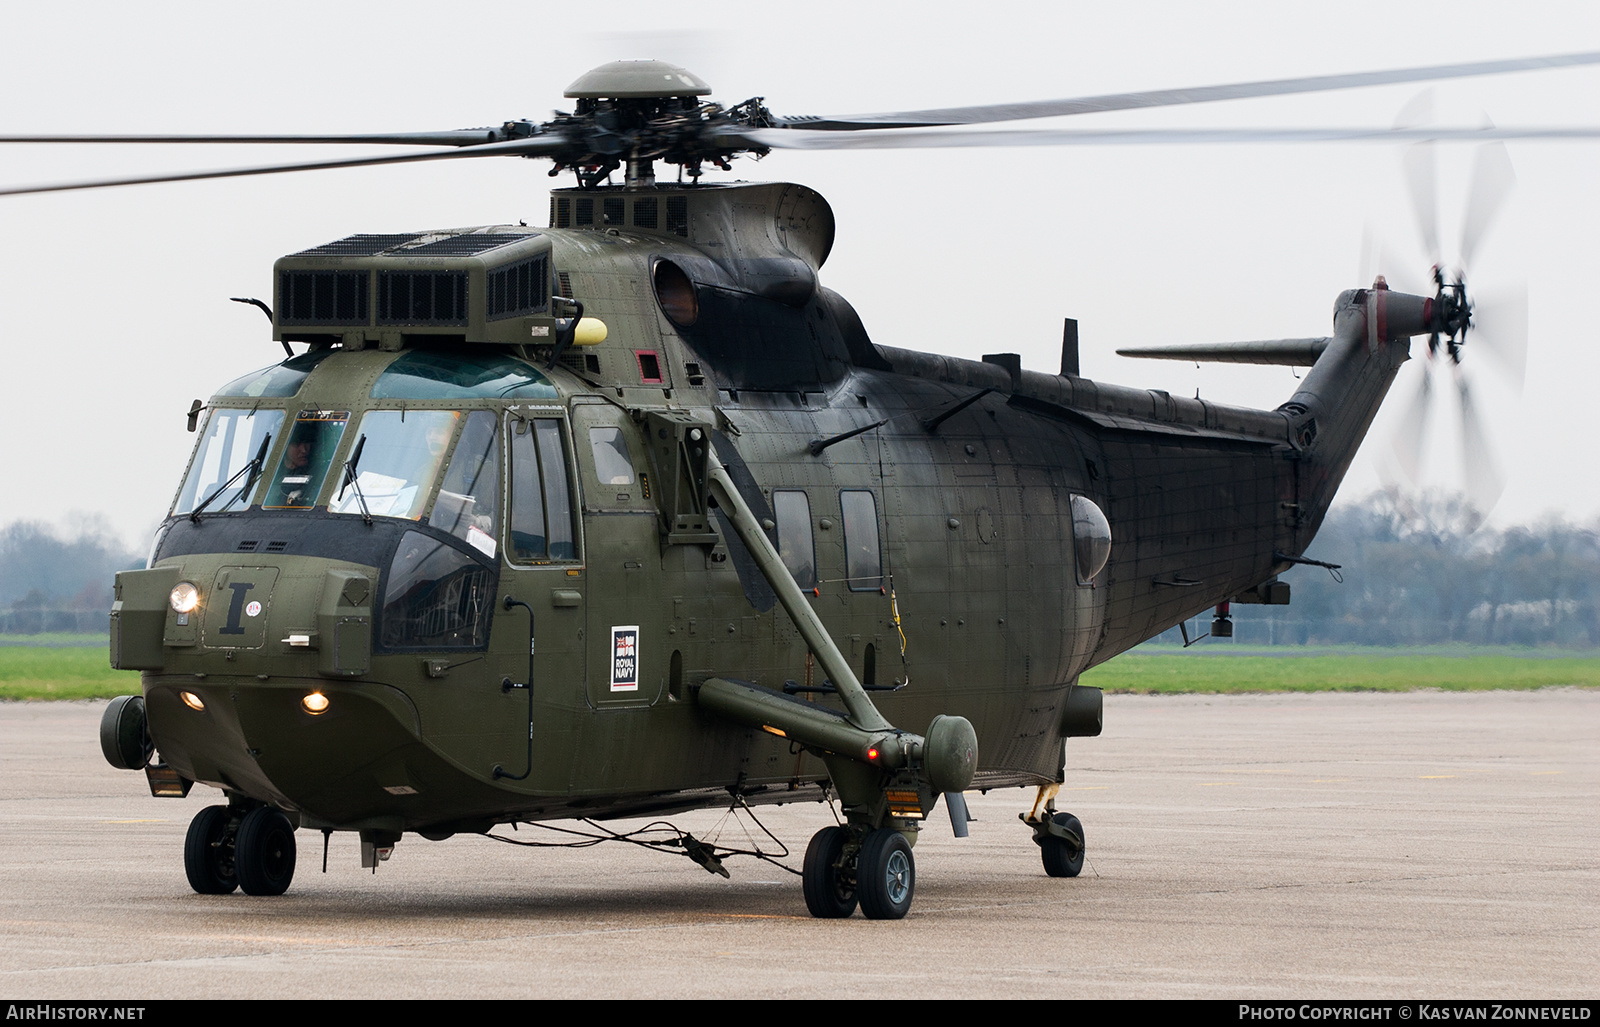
x=542 y=547
x=627 y=641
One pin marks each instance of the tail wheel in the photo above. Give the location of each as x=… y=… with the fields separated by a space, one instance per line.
x=1061 y=857
x=264 y=852
x=208 y=853
x=830 y=886
x=886 y=875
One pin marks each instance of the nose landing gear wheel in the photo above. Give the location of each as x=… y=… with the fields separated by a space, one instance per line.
x=830 y=888
x=208 y=853
x=886 y=875
x=1061 y=857
x=264 y=852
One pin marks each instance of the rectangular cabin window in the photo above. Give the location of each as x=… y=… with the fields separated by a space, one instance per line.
x=792 y=511
x=863 y=565
x=542 y=509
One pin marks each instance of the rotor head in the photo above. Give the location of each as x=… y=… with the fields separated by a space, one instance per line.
x=1450 y=313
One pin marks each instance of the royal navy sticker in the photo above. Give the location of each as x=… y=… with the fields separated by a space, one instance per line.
x=625 y=659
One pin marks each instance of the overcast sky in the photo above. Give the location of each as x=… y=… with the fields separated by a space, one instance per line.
x=114 y=309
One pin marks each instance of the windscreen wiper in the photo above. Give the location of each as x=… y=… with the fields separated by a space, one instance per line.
x=351 y=483
x=254 y=467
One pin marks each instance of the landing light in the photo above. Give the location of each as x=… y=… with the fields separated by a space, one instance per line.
x=194 y=702
x=315 y=703
x=185 y=597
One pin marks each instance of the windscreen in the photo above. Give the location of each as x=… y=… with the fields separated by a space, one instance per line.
x=400 y=455
x=232 y=439
x=305 y=459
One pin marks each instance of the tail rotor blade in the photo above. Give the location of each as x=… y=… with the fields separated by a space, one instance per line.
x=1421 y=172
x=1500 y=327
x=1484 y=481
x=1422 y=180
x=1492 y=179
x=1408 y=442
x=1378 y=258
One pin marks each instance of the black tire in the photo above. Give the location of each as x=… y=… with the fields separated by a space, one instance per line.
x=123 y=739
x=1061 y=857
x=830 y=889
x=264 y=852
x=886 y=875
x=207 y=856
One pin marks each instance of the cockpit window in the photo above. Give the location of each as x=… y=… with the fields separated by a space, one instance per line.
x=232 y=439
x=541 y=497
x=278 y=380
x=401 y=452
x=435 y=597
x=305 y=460
x=613 y=465
x=469 y=497
x=425 y=374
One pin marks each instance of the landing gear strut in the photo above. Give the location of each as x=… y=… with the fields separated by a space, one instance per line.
x=875 y=869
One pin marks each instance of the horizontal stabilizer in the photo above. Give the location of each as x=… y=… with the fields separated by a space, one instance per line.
x=1288 y=352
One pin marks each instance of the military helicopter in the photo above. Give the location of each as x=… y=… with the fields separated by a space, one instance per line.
x=628 y=515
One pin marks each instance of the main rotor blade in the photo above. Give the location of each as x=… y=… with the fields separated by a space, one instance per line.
x=988 y=113
x=1492 y=179
x=910 y=139
x=541 y=147
x=458 y=137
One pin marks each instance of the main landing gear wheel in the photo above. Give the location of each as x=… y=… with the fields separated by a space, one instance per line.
x=830 y=887
x=264 y=852
x=886 y=875
x=1061 y=857
x=208 y=853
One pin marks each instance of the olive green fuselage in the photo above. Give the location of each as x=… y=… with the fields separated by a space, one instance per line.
x=973 y=599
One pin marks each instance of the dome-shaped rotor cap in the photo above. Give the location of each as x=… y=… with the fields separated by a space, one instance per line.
x=637 y=80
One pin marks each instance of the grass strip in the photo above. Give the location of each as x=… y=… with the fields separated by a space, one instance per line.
x=76 y=672
x=81 y=672
x=90 y=639
x=1341 y=672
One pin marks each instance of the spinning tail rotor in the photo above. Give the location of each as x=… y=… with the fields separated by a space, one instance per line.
x=1496 y=323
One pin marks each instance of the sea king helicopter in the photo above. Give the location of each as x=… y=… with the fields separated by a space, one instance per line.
x=628 y=515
